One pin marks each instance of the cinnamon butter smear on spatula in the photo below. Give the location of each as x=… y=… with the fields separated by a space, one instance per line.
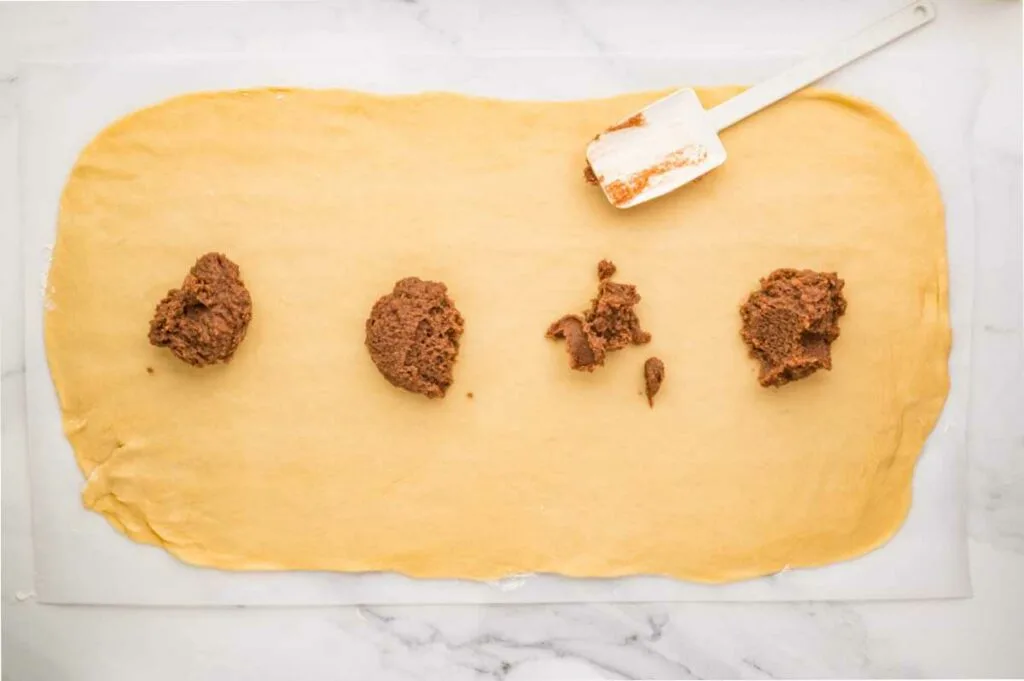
x=675 y=140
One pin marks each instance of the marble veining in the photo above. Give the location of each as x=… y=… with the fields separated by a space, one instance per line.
x=645 y=641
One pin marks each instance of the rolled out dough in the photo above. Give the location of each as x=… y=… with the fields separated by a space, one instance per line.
x=298 y=455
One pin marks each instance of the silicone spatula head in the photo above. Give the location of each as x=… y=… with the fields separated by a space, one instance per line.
x=675 y=140
x=671 y=142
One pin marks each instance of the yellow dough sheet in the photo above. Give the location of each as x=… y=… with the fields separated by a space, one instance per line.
x=298 y=455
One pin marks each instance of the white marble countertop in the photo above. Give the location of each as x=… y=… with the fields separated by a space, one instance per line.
x=974 y=637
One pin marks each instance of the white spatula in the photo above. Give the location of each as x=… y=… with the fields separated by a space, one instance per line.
x=675 y=140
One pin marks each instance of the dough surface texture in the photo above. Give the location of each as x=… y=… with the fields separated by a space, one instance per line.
x=297 y=455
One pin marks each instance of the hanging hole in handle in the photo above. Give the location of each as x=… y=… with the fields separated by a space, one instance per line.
x=921 y=11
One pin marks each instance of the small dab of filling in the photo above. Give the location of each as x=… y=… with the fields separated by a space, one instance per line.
x=635 y=121
x=654 y=376
x=205 y=320
x=610 y=324
x=413 y=336
x=791 y=322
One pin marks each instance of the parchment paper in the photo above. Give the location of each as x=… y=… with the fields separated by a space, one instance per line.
x=80 y=559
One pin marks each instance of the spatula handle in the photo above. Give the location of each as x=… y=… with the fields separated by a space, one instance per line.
x=819 y=65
